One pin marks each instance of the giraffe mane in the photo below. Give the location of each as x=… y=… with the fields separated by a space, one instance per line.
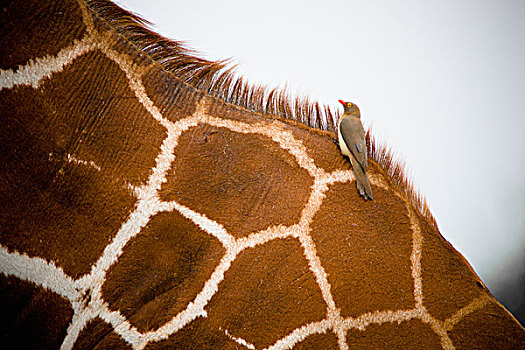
x=220 y=80
x=396 y=169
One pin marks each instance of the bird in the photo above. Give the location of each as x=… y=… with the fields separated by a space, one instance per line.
x=351 y=136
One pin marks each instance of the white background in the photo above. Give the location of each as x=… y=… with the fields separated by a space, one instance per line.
x=441 y=82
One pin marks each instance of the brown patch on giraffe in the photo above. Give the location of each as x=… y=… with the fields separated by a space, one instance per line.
x=174 y=99
x=449 y=283
x=326 y=341
x=103 y=120
x=99 y=335
x=53 y=209
x=412 y=334
x=267 y=293
x=370 y=269
x=27 y=24
x=200 y=334
x=239 y=188
x=321 y=148
x=48 y=202
x=161 y=271
x=490 y=327
x=31 y=317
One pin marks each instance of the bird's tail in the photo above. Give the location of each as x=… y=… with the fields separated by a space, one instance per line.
x=363 y=185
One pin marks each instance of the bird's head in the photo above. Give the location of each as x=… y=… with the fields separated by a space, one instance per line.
x=350 y=108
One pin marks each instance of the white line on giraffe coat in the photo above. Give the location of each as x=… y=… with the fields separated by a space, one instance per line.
x=239 y=340
x=32 y=73
x=44 y=274
x=73 y=159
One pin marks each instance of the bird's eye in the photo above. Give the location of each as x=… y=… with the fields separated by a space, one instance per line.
x=349 y=105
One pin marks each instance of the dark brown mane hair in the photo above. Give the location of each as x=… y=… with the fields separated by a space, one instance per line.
x=219 y=79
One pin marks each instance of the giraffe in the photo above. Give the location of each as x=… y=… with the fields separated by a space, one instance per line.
x=151 y=199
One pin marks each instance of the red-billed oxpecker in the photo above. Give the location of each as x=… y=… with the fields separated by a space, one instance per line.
x=353 y=145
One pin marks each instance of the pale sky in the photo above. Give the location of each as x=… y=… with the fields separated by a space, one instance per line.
x=441 y=82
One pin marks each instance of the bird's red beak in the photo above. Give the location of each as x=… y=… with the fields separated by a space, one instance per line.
x=342 y=102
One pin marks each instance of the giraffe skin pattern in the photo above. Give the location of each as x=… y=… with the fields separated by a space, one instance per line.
x=94 y=291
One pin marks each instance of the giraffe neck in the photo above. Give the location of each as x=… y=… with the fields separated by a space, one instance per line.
x=144 y=202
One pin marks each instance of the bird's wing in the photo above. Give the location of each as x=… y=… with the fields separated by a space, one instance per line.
x=354 y=136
